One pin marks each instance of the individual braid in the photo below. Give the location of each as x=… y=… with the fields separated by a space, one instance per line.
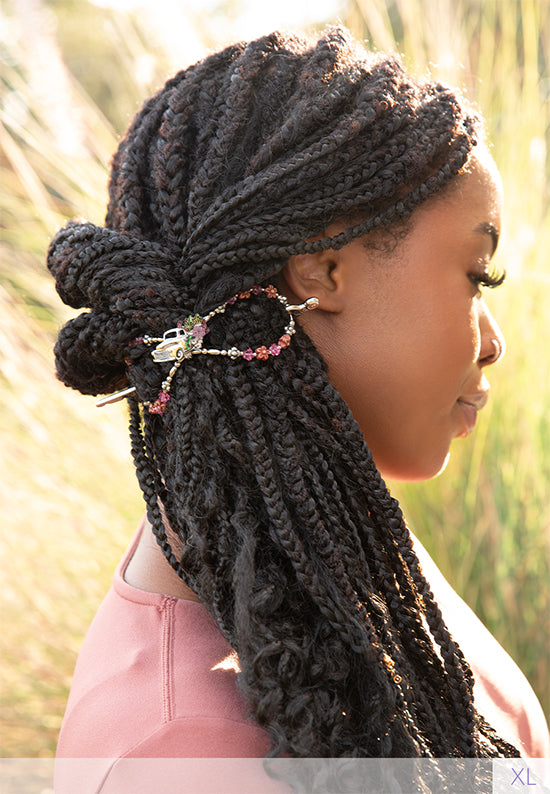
x=259 y=486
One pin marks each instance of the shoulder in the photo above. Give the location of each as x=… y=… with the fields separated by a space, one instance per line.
x=155 y=679
x=156 y=668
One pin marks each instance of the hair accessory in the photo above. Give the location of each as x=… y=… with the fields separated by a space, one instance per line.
x=186 y=340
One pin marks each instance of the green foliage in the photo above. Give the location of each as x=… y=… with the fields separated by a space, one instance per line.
x=68 y=488
x=122 y=66
x=71 y=76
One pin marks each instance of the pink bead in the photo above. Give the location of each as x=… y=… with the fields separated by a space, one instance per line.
x=274 y=350
x=249 y=354
x=199 y=331
x=257 y=290
x=159 y=406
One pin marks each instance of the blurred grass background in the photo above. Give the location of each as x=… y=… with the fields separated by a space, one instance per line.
x=72 y=73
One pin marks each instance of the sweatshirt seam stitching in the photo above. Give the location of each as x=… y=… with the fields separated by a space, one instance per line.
x=167 y=652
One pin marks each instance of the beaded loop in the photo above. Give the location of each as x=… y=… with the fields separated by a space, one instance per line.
x=186 y=340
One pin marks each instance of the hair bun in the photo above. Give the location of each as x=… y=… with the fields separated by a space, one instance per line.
x=89 y=355
x=131 y=287
x=90 y=263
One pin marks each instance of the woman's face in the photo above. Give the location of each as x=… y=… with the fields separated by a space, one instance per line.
x=407 y=336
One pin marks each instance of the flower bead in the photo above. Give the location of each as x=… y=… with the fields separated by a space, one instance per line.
x=262 y=353
x=200 y=330
x=284 y=341
x=274 y=350
x=244 y=295
x=249 y=354
x=270 y=291
x=159 y=406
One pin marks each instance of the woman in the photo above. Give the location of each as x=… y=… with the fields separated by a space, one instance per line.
x=288 y=292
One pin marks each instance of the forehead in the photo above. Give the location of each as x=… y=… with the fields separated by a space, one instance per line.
x=482 y=183
x=473 y=200
x=477 y=190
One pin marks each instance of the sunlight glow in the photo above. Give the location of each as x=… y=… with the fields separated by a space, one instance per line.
x=230 y=662
x=183 y=26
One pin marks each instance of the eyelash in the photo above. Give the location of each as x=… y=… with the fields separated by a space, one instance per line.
x=490 y=280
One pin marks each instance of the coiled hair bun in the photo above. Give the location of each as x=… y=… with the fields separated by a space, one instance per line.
x=128 y=284
x=92 y=264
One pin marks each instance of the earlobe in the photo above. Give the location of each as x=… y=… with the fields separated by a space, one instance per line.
x=315 y=274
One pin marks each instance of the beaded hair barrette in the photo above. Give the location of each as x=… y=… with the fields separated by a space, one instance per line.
x=186 y=340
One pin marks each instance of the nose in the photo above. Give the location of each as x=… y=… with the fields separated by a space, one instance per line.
x=493 y=344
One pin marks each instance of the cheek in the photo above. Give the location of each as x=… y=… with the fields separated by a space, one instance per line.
x=383 y=381
x=401 y=382
x=457 y=343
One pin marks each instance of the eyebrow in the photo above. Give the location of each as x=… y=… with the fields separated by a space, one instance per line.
x=492 y=231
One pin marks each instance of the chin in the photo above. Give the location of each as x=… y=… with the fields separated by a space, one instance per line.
x=415 y=471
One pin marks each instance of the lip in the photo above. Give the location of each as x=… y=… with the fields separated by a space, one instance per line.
x=469 y=406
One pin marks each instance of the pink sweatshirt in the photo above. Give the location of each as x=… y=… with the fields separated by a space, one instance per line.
x=156 y=679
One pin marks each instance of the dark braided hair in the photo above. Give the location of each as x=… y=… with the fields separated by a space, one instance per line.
x=259 y=486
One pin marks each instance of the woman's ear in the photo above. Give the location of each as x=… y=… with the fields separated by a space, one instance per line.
x=317 y=274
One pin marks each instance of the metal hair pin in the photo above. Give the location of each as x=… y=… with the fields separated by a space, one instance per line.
x=186 y=340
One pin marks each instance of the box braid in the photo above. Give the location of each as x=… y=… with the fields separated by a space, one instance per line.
x=260 y=488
